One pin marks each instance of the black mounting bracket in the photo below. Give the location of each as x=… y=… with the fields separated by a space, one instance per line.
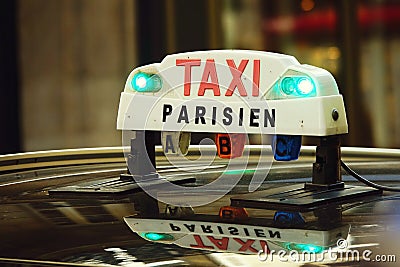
x=326 y=168
x=142 y=167
x=326 y=191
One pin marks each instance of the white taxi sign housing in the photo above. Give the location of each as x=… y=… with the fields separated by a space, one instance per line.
x=233 y=91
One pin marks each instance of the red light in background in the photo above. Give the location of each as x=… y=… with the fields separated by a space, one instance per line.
x=307 y=5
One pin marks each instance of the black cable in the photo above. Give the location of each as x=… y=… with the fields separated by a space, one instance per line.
x=367 y=182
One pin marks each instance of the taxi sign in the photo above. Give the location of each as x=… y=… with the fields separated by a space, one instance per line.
x=232 y=91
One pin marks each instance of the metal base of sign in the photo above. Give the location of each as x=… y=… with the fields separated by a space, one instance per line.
x=304 y=198
x=120 y=187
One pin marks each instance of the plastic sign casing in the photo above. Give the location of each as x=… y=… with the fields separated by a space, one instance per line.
x=232 y=91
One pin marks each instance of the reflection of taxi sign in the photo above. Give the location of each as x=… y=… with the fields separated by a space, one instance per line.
x=233 y=236
x=233 y=213
x=231 y=91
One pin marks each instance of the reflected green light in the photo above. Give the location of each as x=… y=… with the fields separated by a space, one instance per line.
x=237 y=172
x=303 y=247
x=157 y=236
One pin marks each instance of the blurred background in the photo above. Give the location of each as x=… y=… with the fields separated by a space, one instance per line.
x=63 y=63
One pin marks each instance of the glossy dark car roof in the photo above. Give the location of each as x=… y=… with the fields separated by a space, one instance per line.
x=36 y=226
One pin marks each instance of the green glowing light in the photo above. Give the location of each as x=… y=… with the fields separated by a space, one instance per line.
x=304 y=86
x=144 y=82
x=301 y=86
x=157 y=236
x=303 y=247
x=288 y=85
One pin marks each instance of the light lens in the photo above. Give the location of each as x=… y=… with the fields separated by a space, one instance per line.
x=157 y=236
x=288 y=85
x=304 y=86
x=141 y=82
x=144 y=82
x=301 y=86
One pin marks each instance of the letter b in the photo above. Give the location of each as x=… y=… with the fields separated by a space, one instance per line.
x=230 y=146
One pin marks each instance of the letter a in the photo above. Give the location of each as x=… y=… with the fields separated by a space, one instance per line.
x=169 y=144
x=209 y=72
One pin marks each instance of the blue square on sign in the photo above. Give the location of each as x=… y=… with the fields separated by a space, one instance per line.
x=286 y=147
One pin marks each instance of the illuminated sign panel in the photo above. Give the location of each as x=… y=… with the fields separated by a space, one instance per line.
x=232 y=91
